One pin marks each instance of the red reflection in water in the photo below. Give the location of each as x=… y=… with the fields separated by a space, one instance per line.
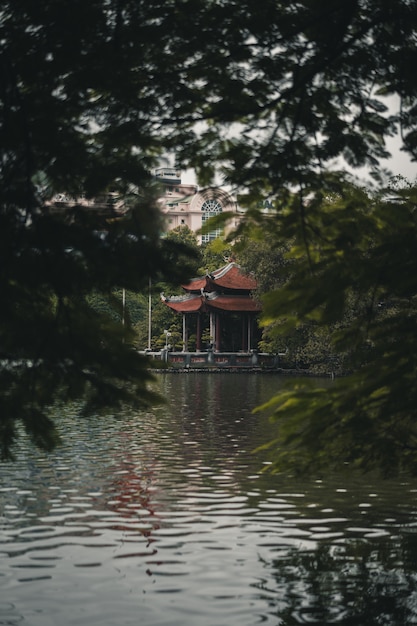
x=133 y=493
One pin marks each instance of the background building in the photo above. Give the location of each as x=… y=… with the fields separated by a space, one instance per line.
x=187 y=205
x=182 y=204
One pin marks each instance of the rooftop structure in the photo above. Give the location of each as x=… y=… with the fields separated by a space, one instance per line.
x=187 y=205
x=222 y=300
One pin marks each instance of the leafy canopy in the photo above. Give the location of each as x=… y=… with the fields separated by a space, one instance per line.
x=361 y=250
x=295 y=87
x=81 y=113
x=299 y=95
x=279 y=101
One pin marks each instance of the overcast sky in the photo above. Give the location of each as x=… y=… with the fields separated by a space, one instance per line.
x=400 y=163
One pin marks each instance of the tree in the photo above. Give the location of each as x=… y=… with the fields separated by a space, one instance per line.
x=300 y=86
x=188 y=256
x=308 y=346
x=278 y=101
x=78 y=115
x=187 y=243
x=362 y=247
x=216 y=253
x=259 y=254
x=300 y=96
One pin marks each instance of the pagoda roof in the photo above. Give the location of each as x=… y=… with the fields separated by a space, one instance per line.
x=244 y=304
x=204 y=302
x=230 y=277
x=184 y=304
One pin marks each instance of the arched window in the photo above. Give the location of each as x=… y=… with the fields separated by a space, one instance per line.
x=210 y=208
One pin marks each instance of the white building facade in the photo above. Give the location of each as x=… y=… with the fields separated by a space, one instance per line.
x=187 y=205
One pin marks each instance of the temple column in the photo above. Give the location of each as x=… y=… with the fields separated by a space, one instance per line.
x=213 y=329
x=184 y=333
x=198 y=338
x=217 y=346
x=249 y=317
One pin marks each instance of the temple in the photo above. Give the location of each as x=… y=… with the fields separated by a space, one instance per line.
x=218 y=311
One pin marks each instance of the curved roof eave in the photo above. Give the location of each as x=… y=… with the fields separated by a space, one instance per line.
x=228 y=277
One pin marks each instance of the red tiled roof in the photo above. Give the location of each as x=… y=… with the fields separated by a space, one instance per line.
x=189 y=305
x=231 y=277
x=243 y=304
x=228 y=277
x=196 y=284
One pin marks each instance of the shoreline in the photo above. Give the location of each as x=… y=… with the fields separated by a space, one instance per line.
x=241 y=370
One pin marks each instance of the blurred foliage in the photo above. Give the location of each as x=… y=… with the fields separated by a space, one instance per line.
x=355 y=277
x=215 y=253
x=308 y=346
x=281 y=103
x=79 y=115
x=188 y=249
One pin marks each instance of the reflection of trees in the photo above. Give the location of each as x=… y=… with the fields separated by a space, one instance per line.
x=357 y=583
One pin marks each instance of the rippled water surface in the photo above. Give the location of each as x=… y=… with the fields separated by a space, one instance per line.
x=163 y=519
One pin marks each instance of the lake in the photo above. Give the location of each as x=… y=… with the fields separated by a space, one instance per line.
x=163 y=518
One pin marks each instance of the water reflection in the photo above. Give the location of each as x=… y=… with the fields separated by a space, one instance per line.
x=163 y=518
x=356 y=583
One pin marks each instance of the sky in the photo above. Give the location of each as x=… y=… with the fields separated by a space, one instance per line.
x=400 y=163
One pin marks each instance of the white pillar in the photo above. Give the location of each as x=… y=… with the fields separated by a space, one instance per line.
x=150 y=315
x=213 y=328
x=184 y=333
